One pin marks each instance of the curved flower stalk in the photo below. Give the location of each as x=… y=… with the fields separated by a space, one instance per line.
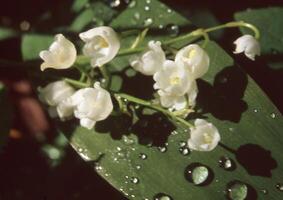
x=204 y=136
x=56 y=95
x=102 y=45
x=91 y=105
x=151 y=61
x=248 y=45
x=61 y=54
x=194 y=59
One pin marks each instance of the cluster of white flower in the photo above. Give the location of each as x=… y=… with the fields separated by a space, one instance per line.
x=88 y=104
x=175 y=80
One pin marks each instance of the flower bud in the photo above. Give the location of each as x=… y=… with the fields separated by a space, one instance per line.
x=151 y=60
x=204 y=136
x=249 y=45
x=194 y=59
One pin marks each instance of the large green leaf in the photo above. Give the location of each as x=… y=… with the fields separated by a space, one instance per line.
x=128 y=157
x=5 y=117
x=270 y=23
x=6 y=33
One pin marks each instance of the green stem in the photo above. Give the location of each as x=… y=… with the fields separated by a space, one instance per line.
x=105 y=75
x=155 y=107
x=76 y=83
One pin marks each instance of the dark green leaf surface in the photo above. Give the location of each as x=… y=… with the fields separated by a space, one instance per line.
x=32 y=44
x=270 y=22
x=249 y=124
x=6 y=33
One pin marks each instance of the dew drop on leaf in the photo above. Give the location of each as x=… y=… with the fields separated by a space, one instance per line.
x=114 y=3
x=161 y=196
x=237 y=190
x=172 y=30
x=273 y=115
x=132 y=4
x=184 y=151
x=143 y=156
x=146 y=8
x=135 y=180
x=198 y=174
x=279 y=187
x=148 y=1
x=162 y=149
x=182 y=143
x=264 y=191
x=226 y=163
x=148 y=22
x=137 y=16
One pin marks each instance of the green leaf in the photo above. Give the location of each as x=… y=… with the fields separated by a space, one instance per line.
x=6 y=33
x=128 y=157
x=5 y=117
x=78 y=5
x=269 y=21
x=32 y=44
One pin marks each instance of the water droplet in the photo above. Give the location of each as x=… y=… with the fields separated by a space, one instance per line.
x=184 y=151
x=273 y=115
x=279 y=187
x=162 y=149
x=199 y=174
x=162 y=196
x=143 y=156
x=161 y=26
x=182 y=143
x=128 y=140
x=132 y=4
x=138 y=167
x=80 y=150
x=148 y=1
x=237 y=190
x=114 y=3
x=227 y=163
x=172 y=29
x=133 y=196
x=169 y=10
x=255 y=110
x=264 y=191
x=174 y=132
x=148 y=21
x=137 y=16
x=135 y=180
x=146 y=8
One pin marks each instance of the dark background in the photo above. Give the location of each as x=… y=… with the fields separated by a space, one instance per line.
x=25 y=171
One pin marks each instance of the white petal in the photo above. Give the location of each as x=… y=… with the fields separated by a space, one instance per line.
x=102 y=45
x=87 y=123
x=61 y=54
x=249 y=45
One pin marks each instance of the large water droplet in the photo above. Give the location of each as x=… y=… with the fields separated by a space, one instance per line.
x=172 y=29
x=143 y=156
x=199 y=174
x=279 y=187
x=162 y=196
x=237 y=190
x=148 y=21
x=227 y=163
x=148 y=1
x=114 y=3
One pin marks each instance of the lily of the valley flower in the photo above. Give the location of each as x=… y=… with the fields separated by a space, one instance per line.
x=175 y=102
x=249 y=45
x=151 y=60
x=194 y=59
x=173 y=79
x=56 y=95
x=61 y=54
x=102 y=45
x=204 y=136
x=91 y=105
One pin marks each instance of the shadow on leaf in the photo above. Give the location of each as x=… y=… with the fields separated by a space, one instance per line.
x=223 y=99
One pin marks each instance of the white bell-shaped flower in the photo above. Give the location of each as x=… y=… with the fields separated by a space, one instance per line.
x=91 y=105
x=175 y=102
x=249 y=45
x=151 y=60
x=173 y=79
x=194 y=59
x=56 y=95
x=61 y=54
x=102 y=45
x=204 y=136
